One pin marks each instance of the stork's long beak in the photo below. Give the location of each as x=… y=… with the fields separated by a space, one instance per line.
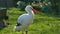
x=35 y=11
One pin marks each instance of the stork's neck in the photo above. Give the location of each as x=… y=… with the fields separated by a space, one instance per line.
x=31 y=12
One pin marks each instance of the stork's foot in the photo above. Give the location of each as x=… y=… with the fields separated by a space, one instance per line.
x=26 y=32
x=22 y=33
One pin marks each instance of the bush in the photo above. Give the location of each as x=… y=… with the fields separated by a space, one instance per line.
x=21 y=5
x=37 y=8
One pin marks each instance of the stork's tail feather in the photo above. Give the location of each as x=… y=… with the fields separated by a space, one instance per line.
x=18 y=24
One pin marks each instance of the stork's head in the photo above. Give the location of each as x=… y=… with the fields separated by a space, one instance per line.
x=30 y=8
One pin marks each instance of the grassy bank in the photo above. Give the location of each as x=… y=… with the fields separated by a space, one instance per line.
x=43 y=24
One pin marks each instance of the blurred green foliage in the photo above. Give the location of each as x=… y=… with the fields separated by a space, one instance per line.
x=21 y=5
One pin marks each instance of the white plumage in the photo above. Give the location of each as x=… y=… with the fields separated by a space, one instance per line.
x=25 y=20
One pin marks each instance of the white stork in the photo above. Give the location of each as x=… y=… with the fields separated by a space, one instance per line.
x=25 y=20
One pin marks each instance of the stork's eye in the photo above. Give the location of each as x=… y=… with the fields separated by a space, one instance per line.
x=18 y=24
x=30 y=7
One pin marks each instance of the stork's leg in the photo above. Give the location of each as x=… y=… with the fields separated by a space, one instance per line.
x=22 y=32
x=26 y=32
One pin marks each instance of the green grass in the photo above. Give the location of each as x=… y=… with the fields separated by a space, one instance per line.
x=43 y=24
